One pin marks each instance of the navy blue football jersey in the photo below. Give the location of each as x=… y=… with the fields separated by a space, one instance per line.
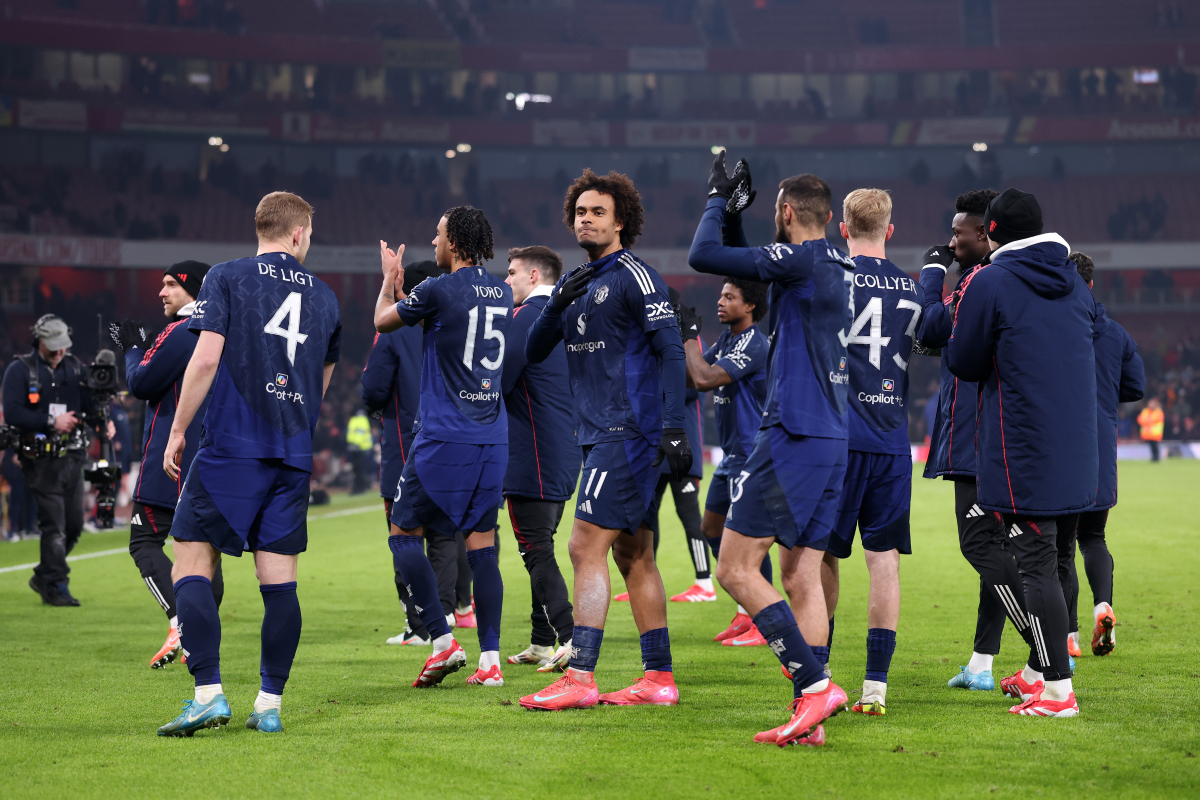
x=466 y=315
x=808 y=319
x=887 y=309
x=738 y=406
x=614 y=373
x=281 y=326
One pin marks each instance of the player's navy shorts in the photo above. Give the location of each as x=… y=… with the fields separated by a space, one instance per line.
x=239 y=504
x=447 y=487
x=788 y=489
x=875 y=499
x=617 y=485
x=717 y=500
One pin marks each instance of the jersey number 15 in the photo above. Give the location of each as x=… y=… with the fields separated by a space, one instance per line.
x=491 y=312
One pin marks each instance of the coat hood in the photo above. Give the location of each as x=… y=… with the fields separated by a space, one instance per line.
x=1102 y=322
x=1040 y=261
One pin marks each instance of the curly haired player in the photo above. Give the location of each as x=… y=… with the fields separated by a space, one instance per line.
x=626 y=364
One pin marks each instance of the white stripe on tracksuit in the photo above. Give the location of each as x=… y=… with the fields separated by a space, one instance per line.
x=157 y=594
x=1012 y=606
x=1039 y=640
x=700 y=554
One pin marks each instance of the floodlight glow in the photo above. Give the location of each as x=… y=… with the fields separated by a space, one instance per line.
x=463 y=148
x=450 y=154
x=214 y=141
x=979 y=147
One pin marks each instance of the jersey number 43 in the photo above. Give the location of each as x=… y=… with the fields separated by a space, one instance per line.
x=873 y=314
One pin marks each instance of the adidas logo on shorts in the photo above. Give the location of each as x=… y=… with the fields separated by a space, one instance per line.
x=975 y=511
x=1015 y=532
x=691 y=487
x=586 y=506
x=137 y=520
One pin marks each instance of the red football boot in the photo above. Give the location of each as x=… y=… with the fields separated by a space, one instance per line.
x=653 y=689
x=623 y=597
x=1016 y=687
x=695 y=594
x=812 y=710
x=1040 y=707
x=168 y=652
x=751 y=638
x=573 y=690
x=814 y=739
x=739 y=625
x=1104 y=638
x=439 y=665
x=488 y=677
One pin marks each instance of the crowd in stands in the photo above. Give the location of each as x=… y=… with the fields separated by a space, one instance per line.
x=399 y=195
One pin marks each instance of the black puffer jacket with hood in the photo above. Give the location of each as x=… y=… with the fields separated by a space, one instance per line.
x=1023 y=330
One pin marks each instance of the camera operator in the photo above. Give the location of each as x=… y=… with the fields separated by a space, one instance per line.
x=45 y=396
x=154 y=373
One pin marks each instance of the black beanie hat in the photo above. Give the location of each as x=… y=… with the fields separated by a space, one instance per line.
x=415 y=273
x=1012 y=215
x=190 y=275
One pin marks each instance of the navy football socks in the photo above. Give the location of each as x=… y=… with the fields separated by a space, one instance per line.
x=585 y=647
x=410 y=561
x=822 y=653
x=199 y=628
x=778 y=626
x=881 y=643
x=489 y=596
x=656 y=650
x=280 y=634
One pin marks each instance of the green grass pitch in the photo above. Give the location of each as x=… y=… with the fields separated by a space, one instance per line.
x=80 y=705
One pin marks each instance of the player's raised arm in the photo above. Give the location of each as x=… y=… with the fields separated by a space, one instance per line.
x=386 y=317
x=710 y=252
x=197 y=380
x=546 y=330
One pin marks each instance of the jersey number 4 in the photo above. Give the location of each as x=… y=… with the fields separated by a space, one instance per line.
x=291 y=310
x=873 y=313
x=488 y=333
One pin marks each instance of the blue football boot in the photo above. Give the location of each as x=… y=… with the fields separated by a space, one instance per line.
x=975 y=681
x=1072 y=660
x=196 y=717
x=265 y=721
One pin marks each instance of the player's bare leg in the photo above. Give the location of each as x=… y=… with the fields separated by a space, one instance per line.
x=489 y=605
x=588 y=547
x=883 y=615
x=634 y=556
x=831 y=586
x=409 y=559
x=200 y=634
x=801 y=568
x=816 y=698
x=711 y=526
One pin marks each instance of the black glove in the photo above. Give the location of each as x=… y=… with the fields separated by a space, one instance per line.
x=743 y=194
x=689 y=322
x=939 y=254
x=719 y=182
x=573 y=286
x=675 y=448
x=129 y=334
